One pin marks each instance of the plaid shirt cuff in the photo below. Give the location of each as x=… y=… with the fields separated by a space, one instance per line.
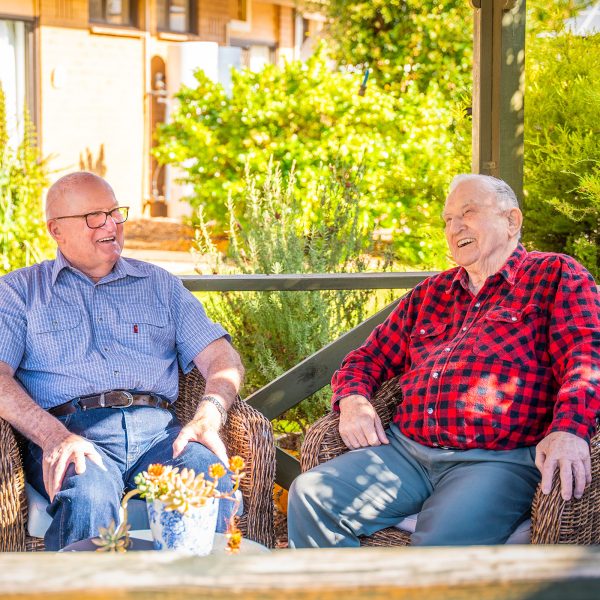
x=573 y=424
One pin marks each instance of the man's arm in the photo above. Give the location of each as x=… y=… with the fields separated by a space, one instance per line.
x=222 y=369
x=381 y=357
x=574 y=345
x=60 y=447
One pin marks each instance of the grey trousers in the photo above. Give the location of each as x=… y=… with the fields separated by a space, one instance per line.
x=463 y=497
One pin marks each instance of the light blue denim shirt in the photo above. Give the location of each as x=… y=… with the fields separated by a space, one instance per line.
x=67 y=336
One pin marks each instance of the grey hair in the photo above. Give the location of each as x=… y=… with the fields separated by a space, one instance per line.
x=507 y=199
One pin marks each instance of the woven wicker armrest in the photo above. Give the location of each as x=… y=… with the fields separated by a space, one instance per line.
x=13 y=504
x=248 y=434
x=323 y=441
x=554 y=521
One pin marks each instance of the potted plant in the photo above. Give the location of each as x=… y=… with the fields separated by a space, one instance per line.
x=182 y=509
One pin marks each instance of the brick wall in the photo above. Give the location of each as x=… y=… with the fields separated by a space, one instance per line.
x=97 y=106
x=17 y=8
x=213 y=19
x=285 y=51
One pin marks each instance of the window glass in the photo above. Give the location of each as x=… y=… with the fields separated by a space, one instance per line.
x=174 y=15
x=13 y=75
x=114 y=12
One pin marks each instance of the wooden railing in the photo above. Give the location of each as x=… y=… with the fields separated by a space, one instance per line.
x=314 y=372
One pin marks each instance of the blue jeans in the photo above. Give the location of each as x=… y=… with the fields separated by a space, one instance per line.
x=128 y=440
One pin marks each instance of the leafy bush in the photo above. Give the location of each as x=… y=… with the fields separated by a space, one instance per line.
x=23 y=237
x=276 y=330
x=308 y=115
x=404 y=42
x=562 y=153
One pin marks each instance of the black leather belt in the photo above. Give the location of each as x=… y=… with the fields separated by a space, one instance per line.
x=110 y=399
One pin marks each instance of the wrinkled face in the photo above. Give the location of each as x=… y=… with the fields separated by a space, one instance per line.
x=479 y=232
x=92 y=251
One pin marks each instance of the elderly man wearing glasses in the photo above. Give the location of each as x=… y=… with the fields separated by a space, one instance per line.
x=89 y=348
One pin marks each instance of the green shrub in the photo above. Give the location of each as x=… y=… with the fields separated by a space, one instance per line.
x=23 y=237
x=276 y=330
x=562 y=152
x=308 y=115
x=404 y=42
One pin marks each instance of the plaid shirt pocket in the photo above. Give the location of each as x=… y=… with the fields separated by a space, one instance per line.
x=509 y=334
x=424 y=339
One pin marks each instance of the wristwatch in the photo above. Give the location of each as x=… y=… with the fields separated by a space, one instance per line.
x=222 y=411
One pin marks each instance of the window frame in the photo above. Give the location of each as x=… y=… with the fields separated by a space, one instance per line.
x=192 y=19
x=133 y=16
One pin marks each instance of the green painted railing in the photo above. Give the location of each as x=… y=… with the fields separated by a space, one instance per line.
x=314 y=372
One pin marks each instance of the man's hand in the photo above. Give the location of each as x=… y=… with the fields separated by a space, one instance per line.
x=571 y=455
x=360 y=425
x=59 y=453
x=203 y=428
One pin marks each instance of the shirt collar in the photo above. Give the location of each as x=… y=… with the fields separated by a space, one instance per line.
x=122 y=268
x=508 y=271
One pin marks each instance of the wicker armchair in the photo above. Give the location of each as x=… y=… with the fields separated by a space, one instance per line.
x=553 y=521
x=247 y=433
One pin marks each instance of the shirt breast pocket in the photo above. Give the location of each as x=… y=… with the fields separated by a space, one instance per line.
x=55 y=336
x=146 y=328
x=424 y=339
x=509 y=334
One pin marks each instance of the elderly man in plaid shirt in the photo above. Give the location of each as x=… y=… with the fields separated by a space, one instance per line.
x=499 y=365
x=90 y=345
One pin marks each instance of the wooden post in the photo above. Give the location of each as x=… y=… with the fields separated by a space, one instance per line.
x=498 y=90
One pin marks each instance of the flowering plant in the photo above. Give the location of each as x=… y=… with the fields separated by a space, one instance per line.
x=179 y=490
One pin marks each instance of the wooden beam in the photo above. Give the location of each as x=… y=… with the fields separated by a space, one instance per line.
x=290 y=282
x=498 y=90
x=472 y=573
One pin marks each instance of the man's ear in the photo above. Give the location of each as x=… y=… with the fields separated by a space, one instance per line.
x=54 y=230
x=515 y=220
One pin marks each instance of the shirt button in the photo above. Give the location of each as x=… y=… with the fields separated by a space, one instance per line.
x=446 y=349
x=422 y=331
x=478 y=304
x=464 y=328
x=430 y=411
x=99 y=319
x=513 y=318
x=116 y=372
x=105 y=349
x=435 y=375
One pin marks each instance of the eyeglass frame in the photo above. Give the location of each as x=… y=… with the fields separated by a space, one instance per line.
x=107 y=213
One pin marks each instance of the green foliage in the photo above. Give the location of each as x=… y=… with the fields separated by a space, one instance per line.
x=276 y=330
x=562 y=152
x=23 y=238
x=308 y=115
x=404 y=42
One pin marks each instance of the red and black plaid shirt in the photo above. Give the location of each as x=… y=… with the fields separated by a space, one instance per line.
x=495 y=371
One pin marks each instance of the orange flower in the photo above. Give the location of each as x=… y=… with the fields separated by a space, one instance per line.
x=236 y=464
x=234 y=540
x=216 y=471
x=156 y=470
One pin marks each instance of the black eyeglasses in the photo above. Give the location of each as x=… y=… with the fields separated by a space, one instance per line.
x=97 y=219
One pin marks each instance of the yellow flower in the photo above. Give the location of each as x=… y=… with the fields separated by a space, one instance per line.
x=236 y=464
x=216 y=471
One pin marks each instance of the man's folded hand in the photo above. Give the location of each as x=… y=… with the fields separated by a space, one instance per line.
x=360 y=425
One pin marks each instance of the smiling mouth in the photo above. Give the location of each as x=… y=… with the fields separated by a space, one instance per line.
x=465 y=242
x=107 y=240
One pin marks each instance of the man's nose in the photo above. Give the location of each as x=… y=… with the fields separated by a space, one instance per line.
x=456 y=225
x=110 y=223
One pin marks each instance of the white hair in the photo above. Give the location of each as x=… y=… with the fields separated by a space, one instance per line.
x=507 y=199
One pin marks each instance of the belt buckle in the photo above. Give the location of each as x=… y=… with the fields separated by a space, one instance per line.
x=129 y=397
